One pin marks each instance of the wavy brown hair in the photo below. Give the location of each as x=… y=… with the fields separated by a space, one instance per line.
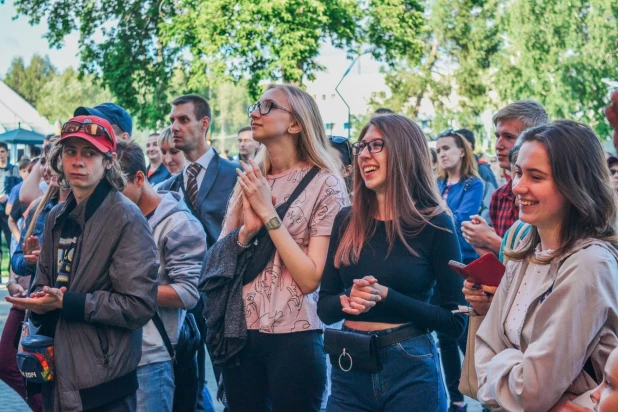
x=468 y=161
x=580 y=171
x=411 y=191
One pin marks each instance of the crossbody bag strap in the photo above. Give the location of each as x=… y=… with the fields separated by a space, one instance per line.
x=283 y=208
x=166 y=339
x=299 y=188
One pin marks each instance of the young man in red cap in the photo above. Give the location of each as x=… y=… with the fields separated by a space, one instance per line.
x=96 y=279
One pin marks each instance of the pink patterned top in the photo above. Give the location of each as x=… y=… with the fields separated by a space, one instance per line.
x=273 y=302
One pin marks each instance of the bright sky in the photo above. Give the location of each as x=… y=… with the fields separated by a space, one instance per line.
x=18 y=38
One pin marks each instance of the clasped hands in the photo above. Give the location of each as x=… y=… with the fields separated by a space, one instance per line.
x=365 y=294
x=40 y=302
x=258 y=201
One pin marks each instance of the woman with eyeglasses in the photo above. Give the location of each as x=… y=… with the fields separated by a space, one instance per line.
x=386 y=255
x=282 y=365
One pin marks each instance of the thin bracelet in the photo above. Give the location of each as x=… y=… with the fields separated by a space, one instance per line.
x=243 y=246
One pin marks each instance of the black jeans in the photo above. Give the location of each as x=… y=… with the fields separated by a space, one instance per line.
x=279 y=372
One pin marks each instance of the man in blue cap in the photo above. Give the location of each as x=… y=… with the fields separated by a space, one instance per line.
x=118 y=117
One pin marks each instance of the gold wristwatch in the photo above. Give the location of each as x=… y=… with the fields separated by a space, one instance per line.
x=273 y=223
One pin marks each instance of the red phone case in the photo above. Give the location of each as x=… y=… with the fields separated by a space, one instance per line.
x=486 y=270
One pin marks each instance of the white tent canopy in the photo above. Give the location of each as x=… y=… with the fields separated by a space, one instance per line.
x=15 y=113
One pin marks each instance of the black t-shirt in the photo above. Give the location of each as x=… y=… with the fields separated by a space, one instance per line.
x=410 y=279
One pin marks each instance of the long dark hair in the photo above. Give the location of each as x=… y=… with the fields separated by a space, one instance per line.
x=580 y=171
x=409 y=183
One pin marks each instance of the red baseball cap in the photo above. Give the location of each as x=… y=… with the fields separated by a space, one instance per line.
x=85 y=127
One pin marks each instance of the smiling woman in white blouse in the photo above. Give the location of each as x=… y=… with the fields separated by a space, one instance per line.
x=553 y=320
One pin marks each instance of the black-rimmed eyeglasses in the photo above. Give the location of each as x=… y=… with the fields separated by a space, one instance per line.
x=374 y=146
x=265 y=108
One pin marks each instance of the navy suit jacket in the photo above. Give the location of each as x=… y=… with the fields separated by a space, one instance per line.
x=212 y=196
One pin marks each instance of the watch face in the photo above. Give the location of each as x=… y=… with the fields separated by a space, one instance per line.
x=273 y=223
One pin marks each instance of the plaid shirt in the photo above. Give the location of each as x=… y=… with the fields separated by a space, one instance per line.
x=502 y=210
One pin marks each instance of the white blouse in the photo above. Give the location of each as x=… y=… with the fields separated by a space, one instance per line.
x=528 y=290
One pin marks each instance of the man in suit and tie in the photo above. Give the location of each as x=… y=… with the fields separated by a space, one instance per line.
x=207 y=180
x=206 y=185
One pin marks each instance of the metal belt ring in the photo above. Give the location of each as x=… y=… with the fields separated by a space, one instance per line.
x=344 y=353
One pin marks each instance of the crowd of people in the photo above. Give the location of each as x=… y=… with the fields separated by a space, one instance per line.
x=312 y=272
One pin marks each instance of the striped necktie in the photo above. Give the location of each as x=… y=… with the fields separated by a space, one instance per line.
x=192 y=171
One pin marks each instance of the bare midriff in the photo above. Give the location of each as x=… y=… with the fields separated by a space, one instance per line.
x=370 y=326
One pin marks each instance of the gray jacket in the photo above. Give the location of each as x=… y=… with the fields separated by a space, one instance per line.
x=112 y=294
x=181 y=243
x=573 y=318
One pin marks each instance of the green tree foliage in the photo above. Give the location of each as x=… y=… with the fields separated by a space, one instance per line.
x=558 y=52
x=64 y=92
x=28 y=81
x=492 y=52
x=459 y=41
x=134 y=46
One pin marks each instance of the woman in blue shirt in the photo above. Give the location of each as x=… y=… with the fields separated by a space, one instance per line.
x=459 y=184
x=462 y=190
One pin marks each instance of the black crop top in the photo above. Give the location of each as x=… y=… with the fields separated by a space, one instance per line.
x=410 y=279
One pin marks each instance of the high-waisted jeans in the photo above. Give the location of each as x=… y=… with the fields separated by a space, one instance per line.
x=410 y=378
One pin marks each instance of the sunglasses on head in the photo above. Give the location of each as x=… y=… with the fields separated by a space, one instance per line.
x=340 y=140
x=89 y=128
x=448 y=132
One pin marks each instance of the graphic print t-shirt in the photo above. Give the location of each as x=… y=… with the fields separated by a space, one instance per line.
x=273 y=302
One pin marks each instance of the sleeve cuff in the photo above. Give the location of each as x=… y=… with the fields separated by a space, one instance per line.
x=73 y=306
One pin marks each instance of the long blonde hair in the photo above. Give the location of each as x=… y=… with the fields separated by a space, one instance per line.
x=312 y=147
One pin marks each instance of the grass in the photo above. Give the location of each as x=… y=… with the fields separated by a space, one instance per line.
x=5 y=265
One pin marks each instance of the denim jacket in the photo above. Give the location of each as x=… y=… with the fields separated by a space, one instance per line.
x=464 y=199
x=18 y=263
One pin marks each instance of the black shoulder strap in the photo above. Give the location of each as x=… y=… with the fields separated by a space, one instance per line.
x=166 y=339
x=282 y=209
x=299 y=189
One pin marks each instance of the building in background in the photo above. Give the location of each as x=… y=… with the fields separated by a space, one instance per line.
x=21 y=126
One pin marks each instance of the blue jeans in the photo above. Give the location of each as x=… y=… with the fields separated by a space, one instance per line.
x=410 y=378
x=156 y=387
